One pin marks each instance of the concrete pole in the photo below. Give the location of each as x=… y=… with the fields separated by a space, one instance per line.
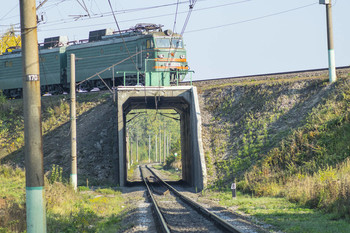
x=114 y=96
x=73 y=125
x=35 y=192
x=160 y=146
x=149 y=148
x=156 y=148
x=164 y=147
x=331 y=55
x=127 y=149
x=167 y=145
x=137 y=148
x=131 y=160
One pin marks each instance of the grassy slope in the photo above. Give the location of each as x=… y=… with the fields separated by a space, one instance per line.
x=279 y=215
x=67 y=211
x=282 y=138
x=98 y=211
x=55 y=112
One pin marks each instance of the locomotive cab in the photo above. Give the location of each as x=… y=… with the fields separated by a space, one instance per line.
x=169 y=64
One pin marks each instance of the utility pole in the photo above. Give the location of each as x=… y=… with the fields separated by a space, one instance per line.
x=73 y=125
x=149 y=148
x=35 y=192
x=160 y=146
x=131 y=160
x=137 y=148
x=127 y=149
x=113 y=84
x=164 y=146
x=156 y=148
x=167 y=145
x=331 y=55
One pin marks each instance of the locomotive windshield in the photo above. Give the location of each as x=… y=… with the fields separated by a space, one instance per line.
x=165 y=43
x=176 y=43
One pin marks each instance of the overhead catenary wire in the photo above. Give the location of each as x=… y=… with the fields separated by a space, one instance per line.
x=166 y=115
x=106 y=14
x=250 y=20
x=121 y=35
x=83 y=5
x=102 y=15
x=16 y=6
x=136 y=115
x=192 y=3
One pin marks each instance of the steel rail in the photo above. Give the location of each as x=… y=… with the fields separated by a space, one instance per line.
x=202 y=210
x=159 y=215
x=267 y=74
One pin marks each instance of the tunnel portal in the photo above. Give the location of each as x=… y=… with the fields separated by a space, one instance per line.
x=184 y=100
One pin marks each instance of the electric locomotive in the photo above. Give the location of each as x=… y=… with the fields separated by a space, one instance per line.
x=142 y=55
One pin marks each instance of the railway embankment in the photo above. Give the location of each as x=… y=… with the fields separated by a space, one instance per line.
x=280 y=137
x=94 y=130
x=277 y=137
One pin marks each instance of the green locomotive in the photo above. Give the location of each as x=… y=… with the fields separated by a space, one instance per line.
x=142 y=55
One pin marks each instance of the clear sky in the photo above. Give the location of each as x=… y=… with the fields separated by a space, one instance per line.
x=224 y=38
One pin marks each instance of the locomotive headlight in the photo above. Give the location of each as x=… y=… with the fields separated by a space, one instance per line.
x=182 y=56
x=160 y=55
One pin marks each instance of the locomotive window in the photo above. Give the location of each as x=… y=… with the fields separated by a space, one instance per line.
x=8 y=63
x=148 y=44
x=163 y=43
x=177 y=43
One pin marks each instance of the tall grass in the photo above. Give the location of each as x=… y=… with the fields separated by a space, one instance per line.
x=311 y=166
x=66 y=210
x=12 y=199
x=286 y=139
x=328 y=189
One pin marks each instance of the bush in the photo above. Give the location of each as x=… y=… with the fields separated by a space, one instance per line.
x=2 y=98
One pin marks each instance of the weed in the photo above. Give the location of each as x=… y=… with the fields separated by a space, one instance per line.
x=56 y=174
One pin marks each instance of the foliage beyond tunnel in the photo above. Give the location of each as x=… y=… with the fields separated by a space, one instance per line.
x=156 y=125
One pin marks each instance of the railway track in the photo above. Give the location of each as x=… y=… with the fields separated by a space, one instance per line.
x=178 y=213
x=341 y=70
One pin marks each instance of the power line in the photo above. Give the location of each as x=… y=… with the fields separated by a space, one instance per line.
x=121 y=35
x=43 y=8
x=105 y=14
x=250 y=20
x=101 y=15
x=94 y=16
x=143 y=18
x=16 y=6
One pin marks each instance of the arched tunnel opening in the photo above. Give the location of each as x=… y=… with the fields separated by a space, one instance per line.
x=159 y=126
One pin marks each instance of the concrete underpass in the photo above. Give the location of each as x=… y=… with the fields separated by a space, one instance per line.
x=184 y=101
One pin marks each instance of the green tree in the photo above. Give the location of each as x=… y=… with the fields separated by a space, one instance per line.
x=9 y=40
x=142 y=123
